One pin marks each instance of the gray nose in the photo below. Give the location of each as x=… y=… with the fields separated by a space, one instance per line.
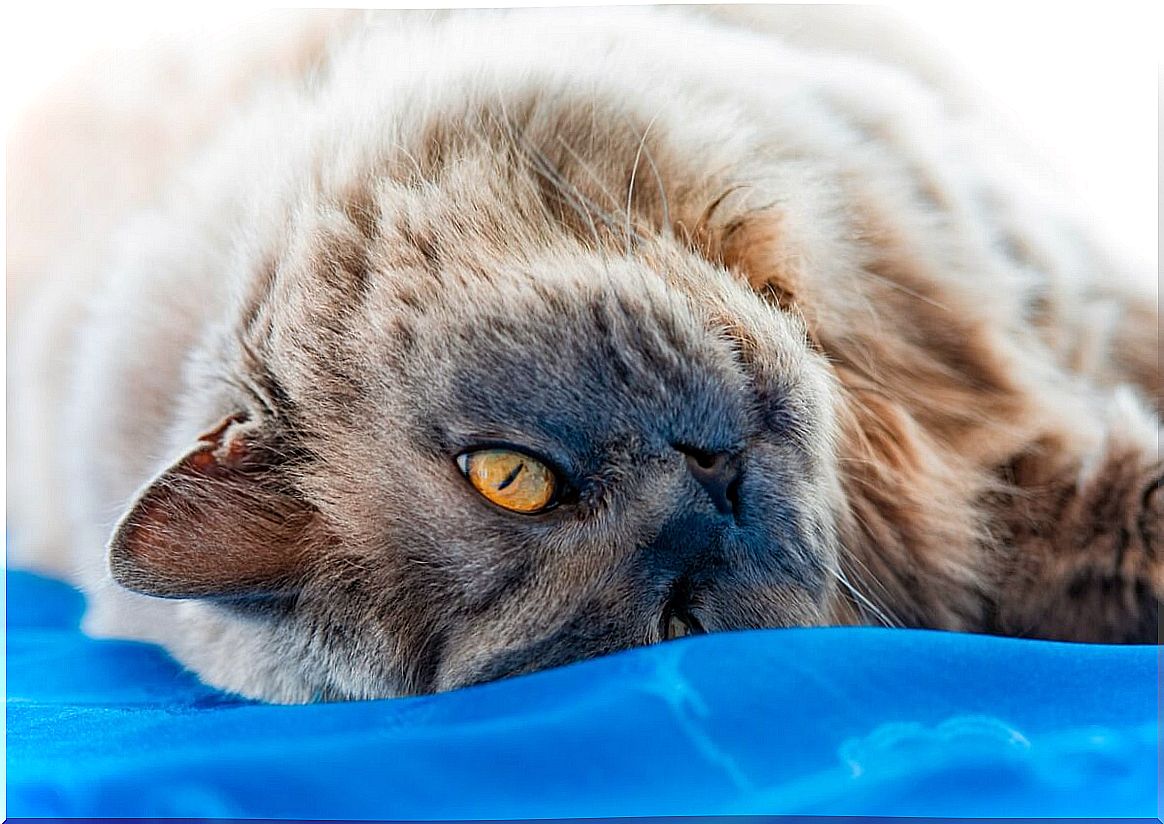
x=719 y=475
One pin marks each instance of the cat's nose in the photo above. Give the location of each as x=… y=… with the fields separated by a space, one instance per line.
x=719 y=475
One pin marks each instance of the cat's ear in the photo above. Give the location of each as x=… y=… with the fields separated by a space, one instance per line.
x=216 y=523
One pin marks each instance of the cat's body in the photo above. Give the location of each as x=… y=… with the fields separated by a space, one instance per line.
x=621 y=241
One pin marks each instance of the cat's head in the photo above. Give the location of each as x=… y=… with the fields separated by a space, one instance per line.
x=442 y=447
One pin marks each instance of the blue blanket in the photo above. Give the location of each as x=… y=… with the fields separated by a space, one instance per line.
x=824 y=721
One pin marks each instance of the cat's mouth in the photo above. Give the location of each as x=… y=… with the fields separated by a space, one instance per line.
x=677 y=621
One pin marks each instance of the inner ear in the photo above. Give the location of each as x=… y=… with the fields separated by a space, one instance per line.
x=222 y=521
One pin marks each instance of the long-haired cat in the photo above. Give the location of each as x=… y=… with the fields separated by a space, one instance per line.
x=384 y=355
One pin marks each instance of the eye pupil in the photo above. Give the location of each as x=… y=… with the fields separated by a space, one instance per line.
x=512 y=476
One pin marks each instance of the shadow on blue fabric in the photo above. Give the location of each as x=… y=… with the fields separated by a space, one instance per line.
x=840 y=722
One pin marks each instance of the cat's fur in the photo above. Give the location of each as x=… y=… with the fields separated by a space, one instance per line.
x=253 y=354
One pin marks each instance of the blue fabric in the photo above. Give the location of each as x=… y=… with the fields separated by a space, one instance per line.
x=824 y=721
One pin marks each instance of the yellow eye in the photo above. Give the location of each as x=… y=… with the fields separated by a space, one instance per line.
x=512 y=480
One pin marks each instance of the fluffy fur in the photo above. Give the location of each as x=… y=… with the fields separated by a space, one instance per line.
x=627 y=236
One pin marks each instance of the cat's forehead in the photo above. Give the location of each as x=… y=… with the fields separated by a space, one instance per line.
x=481 y=283
x=597 y=355
x=476 y=192
x=569 y=347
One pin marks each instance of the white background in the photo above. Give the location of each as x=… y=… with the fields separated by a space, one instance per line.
x=1082 y=80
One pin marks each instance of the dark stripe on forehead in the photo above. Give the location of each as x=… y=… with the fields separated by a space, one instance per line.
x=342 y=262
x=362 y=210
x=423 y=242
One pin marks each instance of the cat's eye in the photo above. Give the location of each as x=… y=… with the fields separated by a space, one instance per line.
x=512 y=480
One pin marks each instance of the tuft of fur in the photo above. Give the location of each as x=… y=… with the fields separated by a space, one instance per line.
x=630 y=236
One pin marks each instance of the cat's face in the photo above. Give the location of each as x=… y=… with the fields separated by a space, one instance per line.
x=448 y=454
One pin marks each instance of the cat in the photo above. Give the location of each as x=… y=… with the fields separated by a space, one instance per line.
x=390 y=354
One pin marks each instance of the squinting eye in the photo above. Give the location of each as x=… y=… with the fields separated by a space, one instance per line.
x=512 y=480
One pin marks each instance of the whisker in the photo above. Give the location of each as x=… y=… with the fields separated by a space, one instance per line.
x=659 y=185
x=892 y=284
x=864 y=601
x=630 y=191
